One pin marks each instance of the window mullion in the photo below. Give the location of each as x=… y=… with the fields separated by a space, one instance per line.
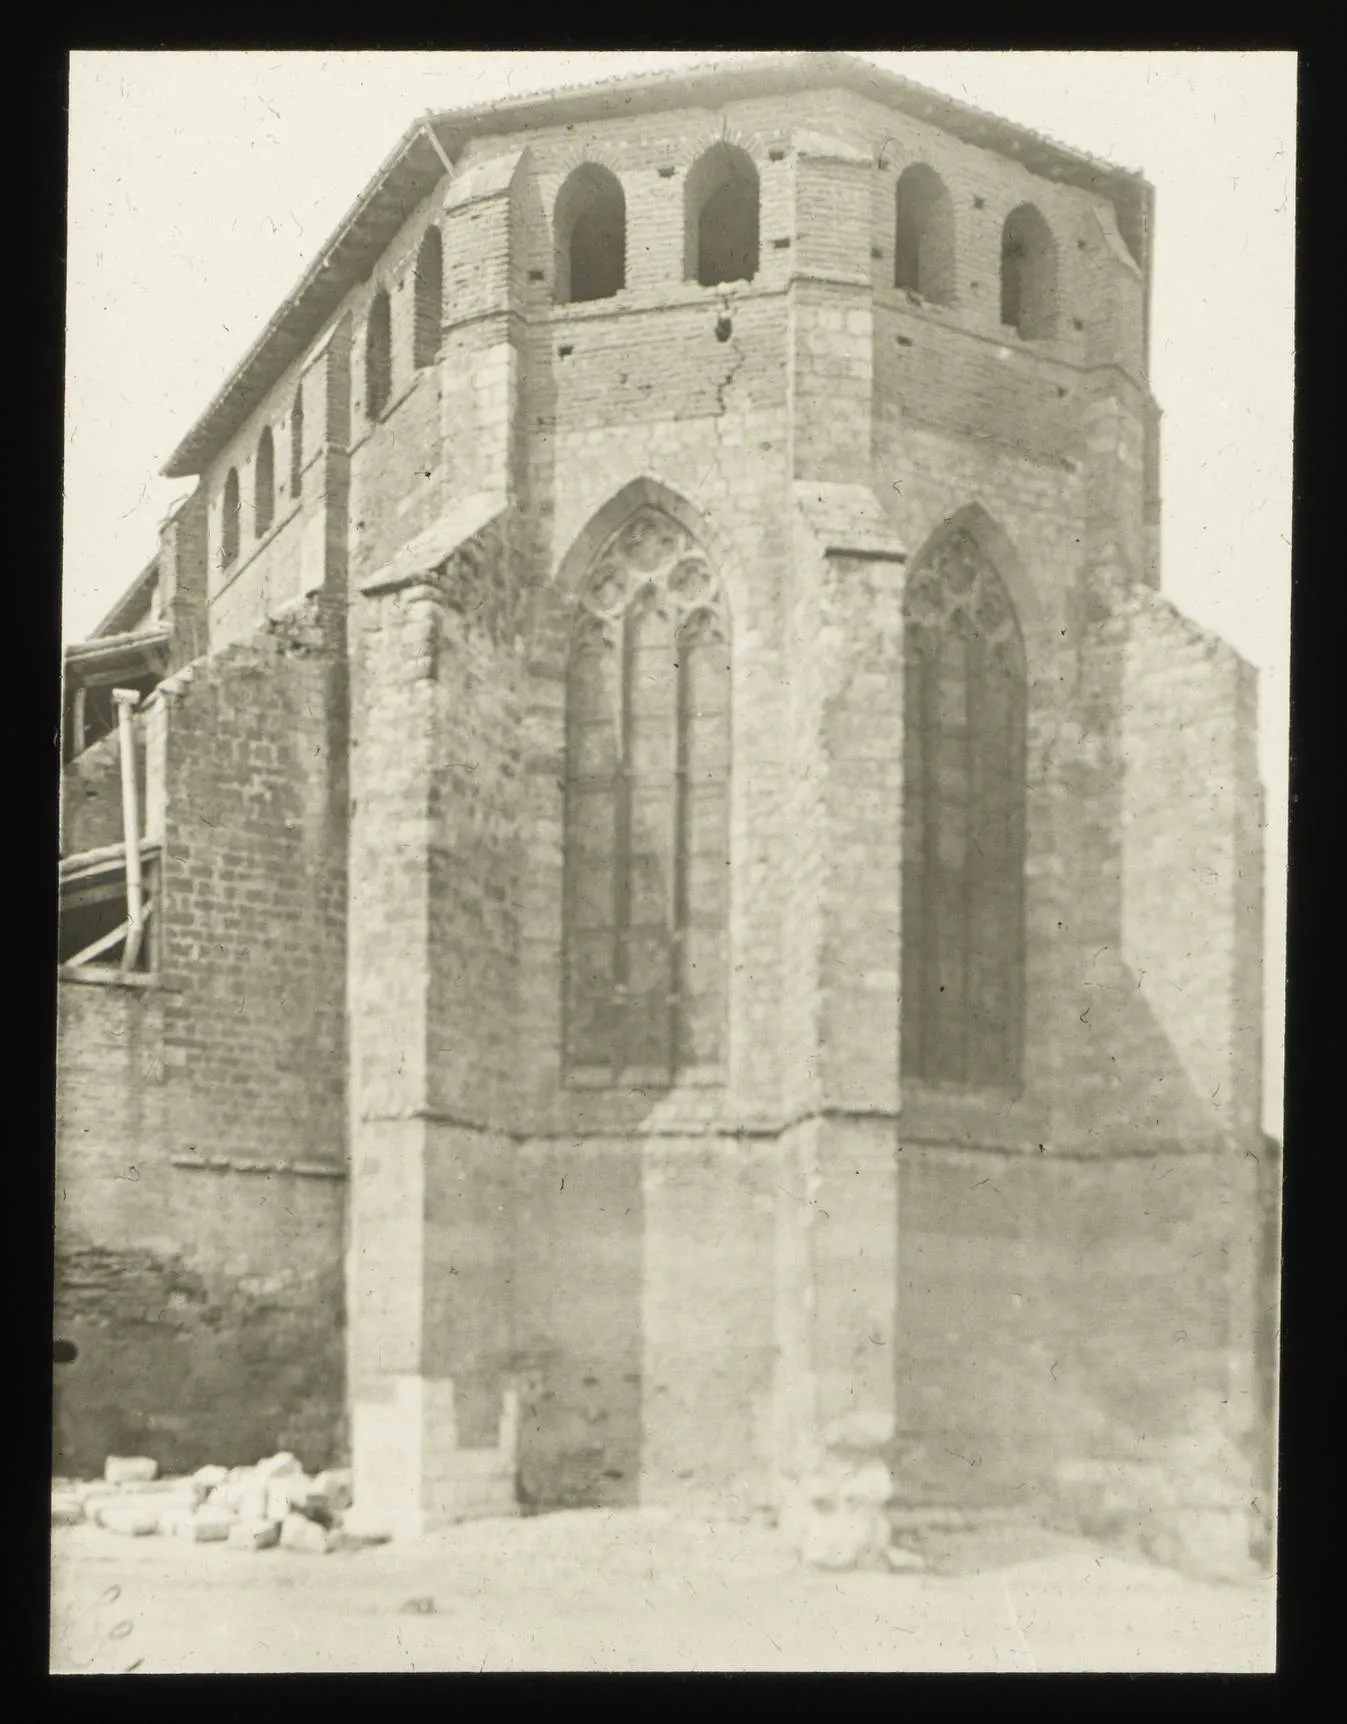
x=974 y=873
x=931 y=879
x=622 y=844
x=679 y=908
x=1014 y=1035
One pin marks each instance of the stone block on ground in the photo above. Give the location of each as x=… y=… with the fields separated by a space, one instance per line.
x=252 y=1502
x=172 y=1520
x=848 y=1484
x=277 y=1467
x=231 y=1488
x=100 y=1508
x=844 y=1539
x=129 y=1469
x=902 y=1560
x=229 y=1493
x=245 y=1497
x=131 y=1520
x=298 y=1532
x=210 y=1477
x=335 y=1488
x=290 y=1491
x=66 y=1509
x=96 y=1490
x=208 y=1524
x=351 y=1531
x=166 y=1491
x=254 y=1534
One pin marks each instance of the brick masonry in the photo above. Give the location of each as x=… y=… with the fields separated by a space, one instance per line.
x=201 y=1124
x=563 y=1295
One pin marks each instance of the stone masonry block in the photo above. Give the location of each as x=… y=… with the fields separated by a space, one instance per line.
x=301 y=1534
x=254 y=1534
x=129 y=1469
x=131 y=1520
x=66 y=1509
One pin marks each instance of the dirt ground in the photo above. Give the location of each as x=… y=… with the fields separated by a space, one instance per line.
x=629 y=1591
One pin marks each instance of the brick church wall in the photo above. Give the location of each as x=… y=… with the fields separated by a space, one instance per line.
x=201 y=1130
x=628 y=1263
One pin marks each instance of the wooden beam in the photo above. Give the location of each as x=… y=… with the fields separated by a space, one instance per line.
x=428 y=132
x=86 y=862
x=105 y=941
x=99 y=946
x=127 y=700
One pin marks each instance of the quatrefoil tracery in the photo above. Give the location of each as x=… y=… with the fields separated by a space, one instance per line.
x=652 y=561
x=959 y=592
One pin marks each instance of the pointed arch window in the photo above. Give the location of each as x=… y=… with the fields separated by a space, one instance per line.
x=963 y=824
x=647 y=811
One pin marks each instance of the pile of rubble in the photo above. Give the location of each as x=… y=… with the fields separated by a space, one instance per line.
x=274 y=1503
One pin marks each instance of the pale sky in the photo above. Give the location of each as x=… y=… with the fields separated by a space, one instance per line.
x=203 y=185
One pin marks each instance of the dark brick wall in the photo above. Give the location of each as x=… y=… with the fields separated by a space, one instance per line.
x=91 y=795
x=205 y=1306
x=191 y=1361
x=643 y=1322
x=1049 y=1308
x=254 y=887
x=198 y=1275
x=183 y=578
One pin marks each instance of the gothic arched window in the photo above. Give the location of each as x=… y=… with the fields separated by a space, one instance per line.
x=963 y=824
x=647 y=811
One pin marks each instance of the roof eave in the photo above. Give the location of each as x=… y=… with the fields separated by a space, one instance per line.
x=129 y=601
x=134 y=652
x=291 y=327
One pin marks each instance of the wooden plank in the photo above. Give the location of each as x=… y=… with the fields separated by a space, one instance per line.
x=99 y=946
x=126 y=701
x=106 y=941
x=106 y=858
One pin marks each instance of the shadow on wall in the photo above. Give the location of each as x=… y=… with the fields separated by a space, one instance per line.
x=1138 y=1063
x=1141 y=1091
x=580 y=1279
x=221 y=1376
